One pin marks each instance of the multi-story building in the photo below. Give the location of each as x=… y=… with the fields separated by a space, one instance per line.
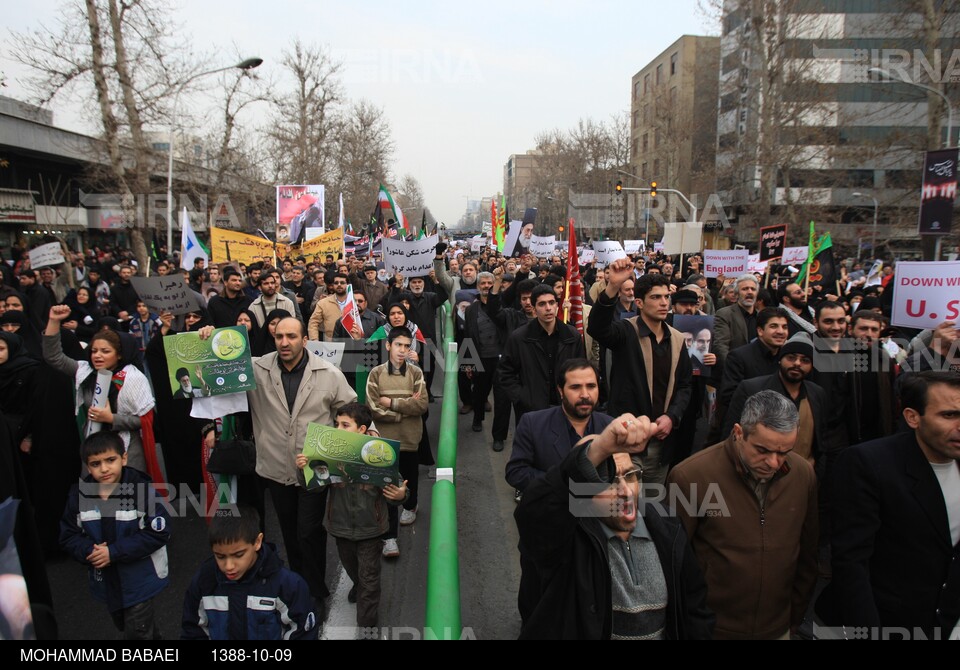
x=807 y=129
x=518 y=177
x=673 y=134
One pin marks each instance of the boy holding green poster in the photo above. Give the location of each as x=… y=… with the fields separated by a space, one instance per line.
x=357 y=518
x=397 y=396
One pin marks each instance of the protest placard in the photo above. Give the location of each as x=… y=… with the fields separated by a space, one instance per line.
x=682 y=237
x=587 y=256
x=755 y=265
x=634 y=246
x=215 y=366
x=331 y=352
x=477 y=244
x=795 y=256
x=730 y=263
x=327 y=243
x=608 y=252
x=926 y=294
x=46 y=255
x=338 y=456
x=773 y=240
x=165 y=294
x=227 y=245
x=411 y=259
x=299 y=207
x=658 y=247
x=543 y=247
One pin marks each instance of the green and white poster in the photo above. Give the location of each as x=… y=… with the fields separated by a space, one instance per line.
x=339 y=456
x=216 y=366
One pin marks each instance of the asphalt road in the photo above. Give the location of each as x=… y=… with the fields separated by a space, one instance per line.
x=489 y=568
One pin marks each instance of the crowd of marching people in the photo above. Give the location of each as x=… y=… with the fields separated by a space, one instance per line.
x=746 y=457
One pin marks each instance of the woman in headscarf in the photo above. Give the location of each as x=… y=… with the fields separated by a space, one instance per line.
x=130 y=402
x=16 y=320
x=265 y=343
x=19 y=377
x=177 y=432
x=84 y=312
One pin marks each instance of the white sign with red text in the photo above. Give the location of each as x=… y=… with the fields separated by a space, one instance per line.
x=926 y=294
x=730 y=263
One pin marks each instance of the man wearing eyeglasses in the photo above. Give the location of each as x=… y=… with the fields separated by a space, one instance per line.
x=610 y=567
x=759 y=553
x=329 y=310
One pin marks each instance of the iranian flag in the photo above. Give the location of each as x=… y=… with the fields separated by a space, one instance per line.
x=386 y=202
x=350 y=315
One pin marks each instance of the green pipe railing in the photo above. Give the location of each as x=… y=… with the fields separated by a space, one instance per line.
x=443 y=569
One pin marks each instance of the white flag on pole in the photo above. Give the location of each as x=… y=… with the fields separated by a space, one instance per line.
x=190 y=245
x=342 y=223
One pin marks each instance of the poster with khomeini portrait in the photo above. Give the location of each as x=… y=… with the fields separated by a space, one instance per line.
x=939 y=192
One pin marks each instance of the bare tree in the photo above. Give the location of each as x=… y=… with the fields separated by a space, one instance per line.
x=123 y=57
x=306 y=122
x=363 y=151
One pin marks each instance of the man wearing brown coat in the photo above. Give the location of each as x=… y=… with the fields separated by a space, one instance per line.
x=757 y=541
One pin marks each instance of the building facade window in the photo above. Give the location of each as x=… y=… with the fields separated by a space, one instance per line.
x=674 y=59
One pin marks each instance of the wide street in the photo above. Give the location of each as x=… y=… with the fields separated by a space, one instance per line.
x=489 y=567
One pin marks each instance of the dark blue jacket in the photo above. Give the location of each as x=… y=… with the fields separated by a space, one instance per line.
x=268 y=603
x=136 y=537
x=541 y=441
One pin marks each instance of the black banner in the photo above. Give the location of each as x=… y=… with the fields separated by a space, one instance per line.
x=938 y=193
x=773 y=240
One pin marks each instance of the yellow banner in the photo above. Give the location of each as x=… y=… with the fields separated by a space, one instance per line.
x=227 y=245
x=328 y=243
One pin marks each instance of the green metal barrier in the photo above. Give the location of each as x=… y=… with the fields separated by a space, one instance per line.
x=443 y=570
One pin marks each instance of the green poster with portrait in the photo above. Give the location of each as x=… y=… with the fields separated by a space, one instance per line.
x=217 y=366
x=339 y=456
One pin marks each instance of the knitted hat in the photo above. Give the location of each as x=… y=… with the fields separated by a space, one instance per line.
x=798 y=344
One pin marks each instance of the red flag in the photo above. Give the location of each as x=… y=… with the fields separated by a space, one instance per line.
x=574 y=285
x=350 y=315
x=494 y=221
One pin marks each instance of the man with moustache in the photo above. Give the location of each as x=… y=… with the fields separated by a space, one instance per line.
x=794 y=302
x=736 y=325
x=330 y=310
x=609 y=566
x=543 y=439
x=795 y=361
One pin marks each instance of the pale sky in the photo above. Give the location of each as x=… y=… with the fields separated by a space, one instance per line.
x=464 y=86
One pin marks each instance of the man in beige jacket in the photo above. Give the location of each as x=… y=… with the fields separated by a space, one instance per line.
x=328 y=311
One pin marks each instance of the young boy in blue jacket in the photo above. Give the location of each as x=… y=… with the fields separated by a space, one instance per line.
x=114 y=524
x=243 y=592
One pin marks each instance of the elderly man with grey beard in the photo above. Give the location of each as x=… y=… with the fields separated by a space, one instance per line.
x=736 y=325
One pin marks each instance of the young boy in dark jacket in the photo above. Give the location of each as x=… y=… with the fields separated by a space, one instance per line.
x=118 y=527
x=357 y=515
x=243 y=592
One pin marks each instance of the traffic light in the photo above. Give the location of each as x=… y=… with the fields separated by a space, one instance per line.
x=619 y=187
x=560 y=229
x=653 y=189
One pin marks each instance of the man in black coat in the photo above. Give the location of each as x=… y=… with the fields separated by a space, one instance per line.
x=757 y=359
x=795 y=361
x=534 y=353
x=224 y=309
x=580 y=524
x=651 y=374
x=423 y=311
x=896 y=522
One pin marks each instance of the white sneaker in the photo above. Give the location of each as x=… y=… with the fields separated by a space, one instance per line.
x=408 y=516
x=390 y=548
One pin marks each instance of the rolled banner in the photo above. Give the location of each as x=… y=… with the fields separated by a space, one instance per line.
x=101 y=396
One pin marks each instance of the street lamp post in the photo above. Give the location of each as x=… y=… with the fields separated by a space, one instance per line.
x=248 y=64
x=946 y=143
x=876 y=208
